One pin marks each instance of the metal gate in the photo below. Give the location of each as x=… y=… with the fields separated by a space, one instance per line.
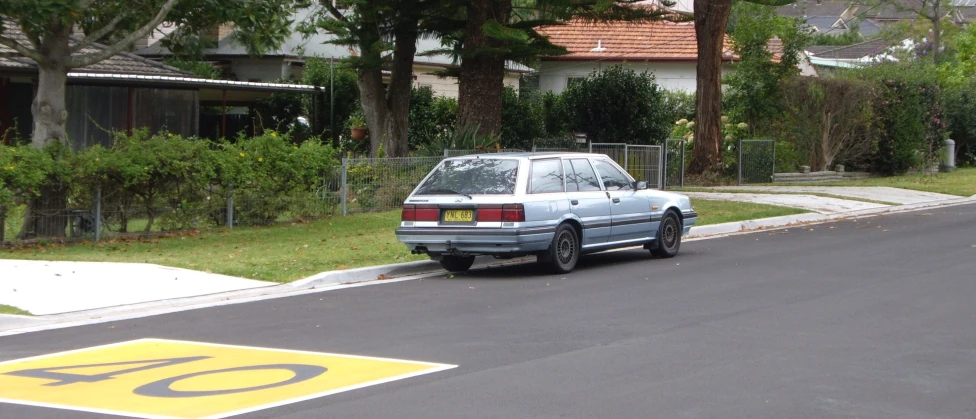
x=757 y=161
x=643 y=162
x=674 y=163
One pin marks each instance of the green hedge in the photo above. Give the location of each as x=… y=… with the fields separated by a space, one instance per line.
x=168 y=182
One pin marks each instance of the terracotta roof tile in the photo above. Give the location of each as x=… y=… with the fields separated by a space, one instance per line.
x=627 y=41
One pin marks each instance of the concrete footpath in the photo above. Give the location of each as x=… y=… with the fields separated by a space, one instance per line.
x=62 y=294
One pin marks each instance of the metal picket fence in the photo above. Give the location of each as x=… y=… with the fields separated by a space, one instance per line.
x=643 y=162
x=674 y=163
x=757 y=161
x=380 y=184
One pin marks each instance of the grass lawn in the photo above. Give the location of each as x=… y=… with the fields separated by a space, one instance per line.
x=718 y=212
x=5 y=309
x=291 y=251
x=961 y=182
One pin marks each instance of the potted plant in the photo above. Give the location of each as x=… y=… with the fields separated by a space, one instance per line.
x=357 y=125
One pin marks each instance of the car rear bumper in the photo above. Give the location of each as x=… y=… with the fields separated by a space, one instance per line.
x=498 y=241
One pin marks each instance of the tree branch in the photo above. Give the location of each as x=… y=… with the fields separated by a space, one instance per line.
x=97 y=35
x=16 y=46
x=89 y=59
x=332 y=9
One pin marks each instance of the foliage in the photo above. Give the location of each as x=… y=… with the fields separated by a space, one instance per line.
x=459 y=137
x=755 y=81
x=280 y=111
x=828 y=121
x=910 y=123
x=202 y=69
x=849 y=37
x=430 y=116
x=960 y=114
x=681 y=104
x=23 y=171
x=594 y=107
x=523 y=119
x=345 y=95
x=271 y=174
x=168 y=182
x=150 y=171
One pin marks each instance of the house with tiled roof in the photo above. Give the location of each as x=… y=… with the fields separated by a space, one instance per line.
x=122 y=93
x=668 y=50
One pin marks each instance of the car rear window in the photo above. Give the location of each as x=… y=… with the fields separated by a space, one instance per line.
x=472 y=177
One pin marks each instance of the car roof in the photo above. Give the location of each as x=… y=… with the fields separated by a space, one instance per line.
x=528 y=155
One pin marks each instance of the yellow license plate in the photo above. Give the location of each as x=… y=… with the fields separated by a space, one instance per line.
x=459 y=216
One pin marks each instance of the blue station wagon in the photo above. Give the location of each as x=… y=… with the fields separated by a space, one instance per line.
x=555 y=206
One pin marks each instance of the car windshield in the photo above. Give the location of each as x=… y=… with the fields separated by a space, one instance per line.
x=474 y=176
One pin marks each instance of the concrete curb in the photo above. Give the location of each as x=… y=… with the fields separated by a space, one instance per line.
x=408 y=271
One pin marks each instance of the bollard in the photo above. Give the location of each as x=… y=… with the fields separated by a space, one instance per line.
x=949 y=164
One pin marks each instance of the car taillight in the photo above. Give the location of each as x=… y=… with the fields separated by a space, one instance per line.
x=420 y=213
x=490 y=213
x=513 y=213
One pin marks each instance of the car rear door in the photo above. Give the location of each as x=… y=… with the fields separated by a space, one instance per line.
x=587 y=200
x=630 y=212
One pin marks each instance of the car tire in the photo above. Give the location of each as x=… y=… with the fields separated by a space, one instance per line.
x=564 y=251
x=454 y=263
x=668 y=239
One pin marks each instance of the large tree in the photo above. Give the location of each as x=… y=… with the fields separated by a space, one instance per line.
x=489 y=33
x=711 y=20
x=384 y=34
x=47 y=35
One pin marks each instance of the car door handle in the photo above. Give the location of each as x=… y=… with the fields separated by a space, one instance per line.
x=616 y=200
x=574 y=202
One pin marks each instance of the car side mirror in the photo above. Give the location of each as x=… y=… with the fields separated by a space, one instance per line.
x=640 y=185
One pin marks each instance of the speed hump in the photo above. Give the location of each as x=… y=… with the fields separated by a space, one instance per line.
x=155 y=378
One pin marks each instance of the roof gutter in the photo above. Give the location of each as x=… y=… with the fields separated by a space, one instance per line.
x=194 y=82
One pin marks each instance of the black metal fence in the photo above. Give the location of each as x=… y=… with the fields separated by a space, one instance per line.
x=757 y=161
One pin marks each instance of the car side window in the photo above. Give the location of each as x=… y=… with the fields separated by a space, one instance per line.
x=546 y=176
x=613 y=178
x=580 y=176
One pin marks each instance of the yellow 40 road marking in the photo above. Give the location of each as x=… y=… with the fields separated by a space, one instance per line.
x=155 y=378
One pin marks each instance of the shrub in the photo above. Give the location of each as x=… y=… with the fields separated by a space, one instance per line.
x=345 y=96
x=523 y=119
x=910 y=122
x=827 y=121
x=430 y=115
x=269 y=174
x=960 y=114
x=594 y=106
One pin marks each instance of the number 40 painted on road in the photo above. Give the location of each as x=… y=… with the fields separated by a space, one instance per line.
x=155 y=378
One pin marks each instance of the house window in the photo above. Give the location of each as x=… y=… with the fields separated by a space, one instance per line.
x=573 y=80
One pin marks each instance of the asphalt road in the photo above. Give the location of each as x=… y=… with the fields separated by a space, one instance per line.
x=868 y=319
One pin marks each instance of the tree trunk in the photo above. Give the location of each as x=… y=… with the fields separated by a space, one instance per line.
x=49 y=109
x=387 y=109
x=371 y=95
x=482 y=78
x=46 y=214
x=401 y=82
x=711 y=19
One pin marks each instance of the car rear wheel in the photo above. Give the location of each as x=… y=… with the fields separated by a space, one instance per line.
x=668 y=236
x=454 y=263
x=564 y=251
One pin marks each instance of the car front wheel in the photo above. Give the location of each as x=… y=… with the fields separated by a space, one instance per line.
x=668 y=236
